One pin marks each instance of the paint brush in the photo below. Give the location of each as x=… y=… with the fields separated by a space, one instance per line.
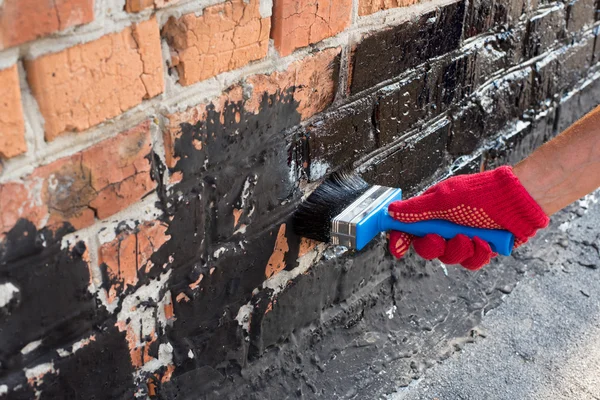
x=345 y=210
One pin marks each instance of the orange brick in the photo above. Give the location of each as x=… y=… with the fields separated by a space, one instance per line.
x=225 y=37
x=128 y=255
x=99 y=181
x=87 y=84
x=12 y=127
x=366 y=7
x=298 y=23
x=314 y=83
x=139 y=5
x=25 y=20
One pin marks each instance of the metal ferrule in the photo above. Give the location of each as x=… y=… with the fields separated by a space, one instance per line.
x=343 y=226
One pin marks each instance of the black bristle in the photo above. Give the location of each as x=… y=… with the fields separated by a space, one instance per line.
x=313 y=217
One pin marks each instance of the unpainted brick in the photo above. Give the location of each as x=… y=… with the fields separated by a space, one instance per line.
x=12 y=126
x=96 y=182
x=298 y=24
x=25 y=20
x=128 y=256
x=225 y=37
x=312 y=82
x=87 y=84
x=366 y=7
x=339 y=138
x=391 y=52
x=134 y=6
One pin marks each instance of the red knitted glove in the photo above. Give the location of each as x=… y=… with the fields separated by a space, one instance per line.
x=492 y=199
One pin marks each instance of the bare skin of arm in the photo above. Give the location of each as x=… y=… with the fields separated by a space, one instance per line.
x=566 y=168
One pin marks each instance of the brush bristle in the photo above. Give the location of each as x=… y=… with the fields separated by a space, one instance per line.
x=313 y=217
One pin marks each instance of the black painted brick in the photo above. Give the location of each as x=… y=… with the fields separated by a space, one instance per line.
x=467 y=130
x=351 y=273
x=506 y=99
x=472 y=167
x=339 y=138
x=580 y=14
x=576 y=104
x=562 y=70
x=597 y=45
x=53 y=303
x=387 y=54
x=492 y=15
x=415 y=161
x=524 y=142
x=402 y=108
x=544 y=29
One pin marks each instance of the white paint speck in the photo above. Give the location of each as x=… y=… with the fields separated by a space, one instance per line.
x=3 y=390
x=31 y=347
x=36 y=373
x=7 y=292
x=390 y=313
x=219 y=251
x=243 y=316
x=190 y=354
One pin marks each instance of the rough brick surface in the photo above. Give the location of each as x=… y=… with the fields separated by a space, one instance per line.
x=225 y=37
x=12 y=126
x=580 y=14
x=544 y=29
x=99 y=181
x=139 y=5
x=366 y=7
x=339 y=139
x=297 y=24
x=87 y=84
x=406 y=167
x=128 y=256
x=25 y=20
x=312 y=82
x=389 y=53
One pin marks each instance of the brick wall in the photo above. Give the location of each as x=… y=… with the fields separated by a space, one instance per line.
x=152 y=152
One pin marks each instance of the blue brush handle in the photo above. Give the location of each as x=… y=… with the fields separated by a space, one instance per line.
x=500 y=241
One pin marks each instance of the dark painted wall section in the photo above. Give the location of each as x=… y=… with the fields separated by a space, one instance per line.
x=469 y=86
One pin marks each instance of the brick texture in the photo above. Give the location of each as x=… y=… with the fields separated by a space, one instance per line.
x=133 y=6
x=312 y=81
x=366 y=7
x=128 y=256
x=388 y=53
x=12 y=127
x=25 y=20
x=225 y=37
x=90 y=83
x=97 y=182
x=298 y=24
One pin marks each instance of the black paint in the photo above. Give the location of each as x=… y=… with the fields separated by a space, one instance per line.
x=387 y=54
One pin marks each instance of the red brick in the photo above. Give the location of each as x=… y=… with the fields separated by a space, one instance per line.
x=366 y=7
x=128 y=255
x=298 y=23
x=225 y=37
x=139 y=5
x=99 y=181
x=87 y=84
x=314 y=79
x=25 y=20
x=12 y=127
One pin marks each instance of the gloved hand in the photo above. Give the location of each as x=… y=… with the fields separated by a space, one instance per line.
x=492 y=199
